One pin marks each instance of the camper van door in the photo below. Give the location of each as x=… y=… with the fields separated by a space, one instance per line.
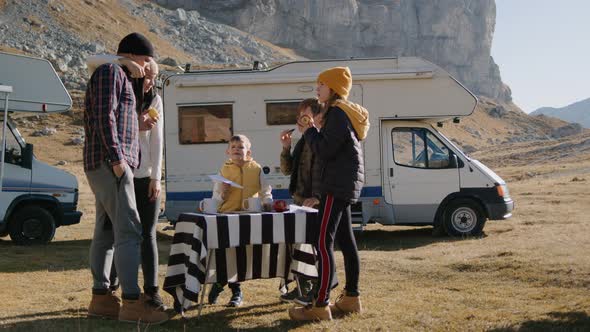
x=419 y=171
x=17 y=179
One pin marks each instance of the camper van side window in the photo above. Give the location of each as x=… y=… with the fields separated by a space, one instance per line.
x=281 y=113
x=205 y=124
x=419 y=148
x=408 y=147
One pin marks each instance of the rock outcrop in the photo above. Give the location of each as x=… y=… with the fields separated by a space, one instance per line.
x=567 y=130
x=455 y=34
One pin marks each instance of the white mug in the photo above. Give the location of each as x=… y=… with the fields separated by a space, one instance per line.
x=252 y=204
x=208 y=205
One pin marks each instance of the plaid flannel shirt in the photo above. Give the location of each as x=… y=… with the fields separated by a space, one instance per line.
x=110 y=119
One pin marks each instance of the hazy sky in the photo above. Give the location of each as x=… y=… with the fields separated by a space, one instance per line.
x=543 y=50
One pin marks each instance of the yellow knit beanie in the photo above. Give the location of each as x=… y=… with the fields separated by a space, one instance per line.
x=338 y=79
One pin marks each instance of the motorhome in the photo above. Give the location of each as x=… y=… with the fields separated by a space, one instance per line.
x=414 y=174
x=35 y=198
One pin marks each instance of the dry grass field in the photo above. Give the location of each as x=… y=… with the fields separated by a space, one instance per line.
x=528 y=273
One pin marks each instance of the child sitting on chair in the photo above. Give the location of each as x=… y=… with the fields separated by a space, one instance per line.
x=243 y=170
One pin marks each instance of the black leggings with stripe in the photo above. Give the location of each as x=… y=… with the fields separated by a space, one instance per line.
x=335 y=225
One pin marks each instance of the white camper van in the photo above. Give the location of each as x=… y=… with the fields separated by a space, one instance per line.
x=414 y=175
x=35 y=198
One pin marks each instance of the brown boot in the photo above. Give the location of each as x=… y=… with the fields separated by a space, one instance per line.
x=310 y=312
x=346 y=305
x=141 y=310
x=106 y=305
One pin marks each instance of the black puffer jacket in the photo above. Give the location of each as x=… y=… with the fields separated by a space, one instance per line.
x=341 y=156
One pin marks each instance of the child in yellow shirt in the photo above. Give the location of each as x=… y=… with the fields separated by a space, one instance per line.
x=243 y=170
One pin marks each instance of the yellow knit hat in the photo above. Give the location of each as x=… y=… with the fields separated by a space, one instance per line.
x=338 y=79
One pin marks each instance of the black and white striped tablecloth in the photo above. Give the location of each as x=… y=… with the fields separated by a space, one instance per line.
x=244 y=247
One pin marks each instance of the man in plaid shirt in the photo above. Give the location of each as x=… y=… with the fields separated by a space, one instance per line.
x=111 y=153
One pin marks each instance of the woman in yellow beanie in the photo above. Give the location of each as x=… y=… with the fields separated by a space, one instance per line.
x=338 y=146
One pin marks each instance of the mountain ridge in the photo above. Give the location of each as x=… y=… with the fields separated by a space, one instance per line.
x=577 y=112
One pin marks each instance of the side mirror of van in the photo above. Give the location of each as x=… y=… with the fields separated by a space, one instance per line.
x=27 y=156
x=454 y=161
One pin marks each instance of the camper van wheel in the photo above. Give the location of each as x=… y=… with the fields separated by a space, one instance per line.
x=463 y=217
x=31 y=224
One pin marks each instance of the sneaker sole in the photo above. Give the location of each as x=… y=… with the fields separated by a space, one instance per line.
x=301 y=303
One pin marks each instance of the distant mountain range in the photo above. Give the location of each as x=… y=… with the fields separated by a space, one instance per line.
x=577 y=112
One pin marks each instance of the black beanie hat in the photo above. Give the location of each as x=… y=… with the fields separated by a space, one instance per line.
x=136 y=43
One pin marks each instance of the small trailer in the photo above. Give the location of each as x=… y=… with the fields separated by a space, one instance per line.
x=414 y=175
x=35 y=198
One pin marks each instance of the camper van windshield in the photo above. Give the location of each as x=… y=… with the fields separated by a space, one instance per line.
x=455 y=148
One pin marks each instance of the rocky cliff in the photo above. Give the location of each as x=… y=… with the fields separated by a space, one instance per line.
x=456 y=34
